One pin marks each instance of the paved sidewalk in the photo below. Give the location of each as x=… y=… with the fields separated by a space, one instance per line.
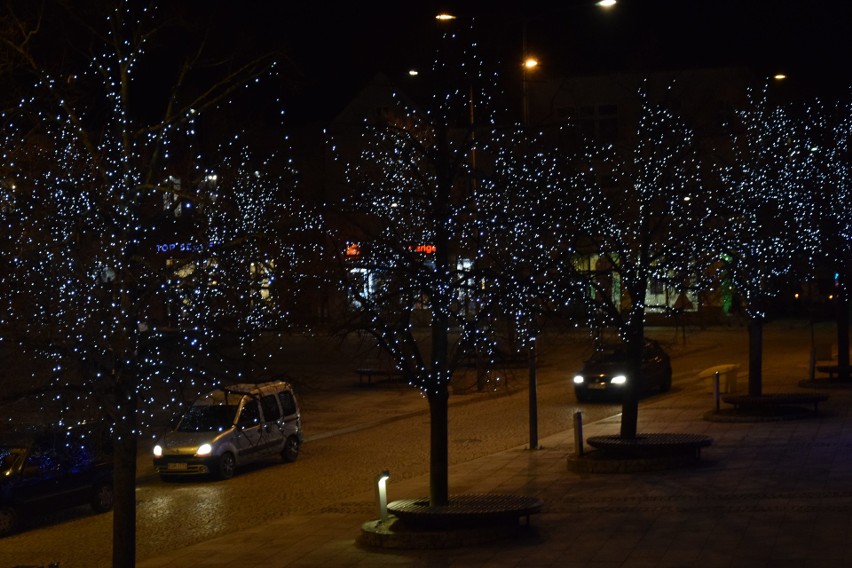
x=766 y=494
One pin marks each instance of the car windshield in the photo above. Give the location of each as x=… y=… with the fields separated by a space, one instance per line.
x=609 y=353
x=9 y=456
x=208 y=418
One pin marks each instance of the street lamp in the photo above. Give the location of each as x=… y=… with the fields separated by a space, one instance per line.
x=529 y=64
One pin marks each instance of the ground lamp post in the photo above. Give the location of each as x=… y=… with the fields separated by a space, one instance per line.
x=382 y=494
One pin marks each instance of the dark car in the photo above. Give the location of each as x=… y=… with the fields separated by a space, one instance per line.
x=43 y=470
x=605 y=374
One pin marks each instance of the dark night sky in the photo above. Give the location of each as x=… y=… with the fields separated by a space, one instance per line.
x=332 y=48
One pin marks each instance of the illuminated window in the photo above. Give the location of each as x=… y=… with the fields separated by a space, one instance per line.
x=262 y=273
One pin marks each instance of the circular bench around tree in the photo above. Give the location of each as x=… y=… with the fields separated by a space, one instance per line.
x=651 y=445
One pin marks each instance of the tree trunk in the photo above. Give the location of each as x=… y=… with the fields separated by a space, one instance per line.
x=124 y=513
x=438 y=396
x=481 y=369
x=842 y=296
x=630 y=402
x=439 y=464
x=533 y=396
x=755 y=356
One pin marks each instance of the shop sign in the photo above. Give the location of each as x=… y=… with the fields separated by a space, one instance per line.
x=425 y=249
x=179 y=247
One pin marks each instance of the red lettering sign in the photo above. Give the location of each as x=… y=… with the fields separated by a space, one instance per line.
x=353 y=249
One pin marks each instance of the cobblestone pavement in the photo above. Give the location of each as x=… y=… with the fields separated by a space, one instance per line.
x=767 y=494
x=770 y=494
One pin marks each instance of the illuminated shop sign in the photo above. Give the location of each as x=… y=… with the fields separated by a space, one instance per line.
x=179 y=247
x=425 y=249
x=353 y=250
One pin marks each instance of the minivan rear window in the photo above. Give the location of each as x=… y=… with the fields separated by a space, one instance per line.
x=269 y=404
x=288 y=403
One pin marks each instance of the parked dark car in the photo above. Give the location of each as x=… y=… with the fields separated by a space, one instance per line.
x=43 y=470
x=605 y=373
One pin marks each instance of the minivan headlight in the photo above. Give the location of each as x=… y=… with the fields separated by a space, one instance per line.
x=203 y=450
x=578 y=380
x=158 y=450
x=619 y=380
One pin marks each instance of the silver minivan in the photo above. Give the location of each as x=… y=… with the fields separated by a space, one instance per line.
x=230 y=427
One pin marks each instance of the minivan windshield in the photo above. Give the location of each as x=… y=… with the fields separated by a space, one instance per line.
x=8 y=457
x=208 y=418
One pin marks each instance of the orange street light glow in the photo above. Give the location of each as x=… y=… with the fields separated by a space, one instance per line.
x=530 y=62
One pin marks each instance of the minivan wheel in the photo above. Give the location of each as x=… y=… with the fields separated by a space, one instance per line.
x=226 y=466
x=291 y=449
x=103 y=498
x=8 y=520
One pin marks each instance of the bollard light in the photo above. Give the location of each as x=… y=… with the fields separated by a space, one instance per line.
x=716 y=390
x=382 y=494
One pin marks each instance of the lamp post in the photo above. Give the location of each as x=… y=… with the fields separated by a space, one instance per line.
x=530 y=63
x=382 y=494
x=473 y=190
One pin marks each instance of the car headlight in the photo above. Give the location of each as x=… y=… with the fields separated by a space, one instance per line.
x=203 y=450
x=158 y=450
x=579 y=380
x=619 y=380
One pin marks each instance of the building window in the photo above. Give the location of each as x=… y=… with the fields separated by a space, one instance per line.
x=595 y=122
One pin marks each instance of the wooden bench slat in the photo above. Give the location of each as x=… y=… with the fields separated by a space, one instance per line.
x=775 y=399
x=464 y=509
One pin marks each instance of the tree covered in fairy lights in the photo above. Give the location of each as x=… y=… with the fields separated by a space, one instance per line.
x=416 y=214
x=769 y=212
x=645 y=215
x=841 y=182
x=133 y=251
x=528 y=238
x=529 y=233
x=827 y=134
